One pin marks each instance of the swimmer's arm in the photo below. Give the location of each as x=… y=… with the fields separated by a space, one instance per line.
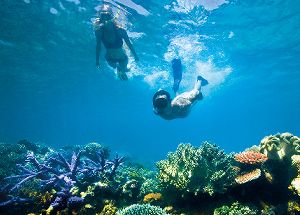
x=98 y=46
x=129 y=44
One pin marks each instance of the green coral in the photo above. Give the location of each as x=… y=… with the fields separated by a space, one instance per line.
x=11 y=154
x=138 y=209
x=236 y=209
x=191 y=169
x=149 y=186
x=91 y=148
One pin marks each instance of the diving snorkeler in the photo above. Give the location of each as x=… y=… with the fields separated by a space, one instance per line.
x=181 y=105
x=112 y=36
x=177 y=73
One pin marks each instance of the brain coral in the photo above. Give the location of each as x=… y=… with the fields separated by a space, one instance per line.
x=138 y=209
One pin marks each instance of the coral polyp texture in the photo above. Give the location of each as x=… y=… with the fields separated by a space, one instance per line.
x=145 y=209
x=250 y=157
x=205 y=169
x=280 y=146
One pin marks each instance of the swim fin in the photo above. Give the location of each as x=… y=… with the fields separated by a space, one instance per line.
x=204 y=82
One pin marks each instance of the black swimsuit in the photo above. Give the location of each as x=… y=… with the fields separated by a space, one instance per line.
x=118 y=43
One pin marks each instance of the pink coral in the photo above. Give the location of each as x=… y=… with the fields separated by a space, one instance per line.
x=250 y=157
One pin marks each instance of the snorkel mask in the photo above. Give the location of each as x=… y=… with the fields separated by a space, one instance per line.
x=105 y=15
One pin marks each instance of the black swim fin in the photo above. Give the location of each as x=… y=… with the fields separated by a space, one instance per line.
x=204 y=82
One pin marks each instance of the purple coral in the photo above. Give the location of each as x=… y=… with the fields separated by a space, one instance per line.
x=14 y=201
x=99 y=164
x=64 y=199
x=115 y=164
x=41 y=172
x=50 y=176
x=70 y=168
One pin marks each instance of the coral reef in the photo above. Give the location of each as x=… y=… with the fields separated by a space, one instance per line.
x=142 y=210
x=206 y=169
x=250 y=164
x=191 y=180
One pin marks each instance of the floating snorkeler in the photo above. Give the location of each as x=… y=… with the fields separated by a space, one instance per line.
x=181 y=105
x=112 y=36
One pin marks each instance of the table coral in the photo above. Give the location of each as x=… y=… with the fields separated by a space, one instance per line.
x=249 y=176
x=250 y=157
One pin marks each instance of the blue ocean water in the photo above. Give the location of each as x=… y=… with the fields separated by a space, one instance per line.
x=52 y=93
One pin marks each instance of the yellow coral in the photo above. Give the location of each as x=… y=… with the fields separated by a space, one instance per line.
x=109 y=208
x=293 y=207
x=152 y=197
x=295 y=186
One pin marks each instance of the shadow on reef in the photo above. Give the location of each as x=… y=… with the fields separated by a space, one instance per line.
x=264 y=179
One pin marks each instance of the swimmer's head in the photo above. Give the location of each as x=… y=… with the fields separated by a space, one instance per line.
x=105 y=13
x=160 y=100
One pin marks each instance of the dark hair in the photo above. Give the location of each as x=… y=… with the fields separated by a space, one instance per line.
x=161 y=99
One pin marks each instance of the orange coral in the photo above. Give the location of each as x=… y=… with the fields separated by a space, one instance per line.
x=152 y=197
x=249 y=176
x=250 y=157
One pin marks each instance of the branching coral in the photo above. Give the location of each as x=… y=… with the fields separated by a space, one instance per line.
x=189 y=169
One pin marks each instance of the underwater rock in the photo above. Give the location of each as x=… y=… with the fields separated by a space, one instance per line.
x=138 y=209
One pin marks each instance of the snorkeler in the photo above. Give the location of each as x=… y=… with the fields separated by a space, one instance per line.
x=177 y=73
x=112 y=36
x=181 y=105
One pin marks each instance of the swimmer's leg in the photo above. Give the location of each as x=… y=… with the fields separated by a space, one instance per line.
x=196 y=92
x=112 y=63
x=122 y=69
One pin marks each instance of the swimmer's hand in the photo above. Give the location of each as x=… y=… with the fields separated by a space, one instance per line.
x=97 y=65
